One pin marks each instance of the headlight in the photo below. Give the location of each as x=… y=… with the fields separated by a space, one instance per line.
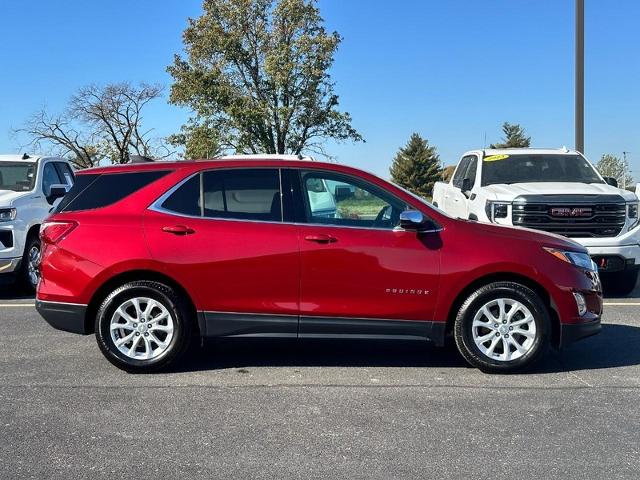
x=632 y=213
x=496 y=209
x=7 y=214
x=582 y=260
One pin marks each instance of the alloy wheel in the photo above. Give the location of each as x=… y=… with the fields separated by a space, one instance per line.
x=504 y=329
x=142 y=328
x=33 y=265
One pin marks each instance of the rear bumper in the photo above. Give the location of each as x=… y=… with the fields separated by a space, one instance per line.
x=573 y=332
x=69 y=317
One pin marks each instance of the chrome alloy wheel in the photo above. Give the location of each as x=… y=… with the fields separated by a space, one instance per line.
x=33 y=265
x=141 y=328
x=504 y=329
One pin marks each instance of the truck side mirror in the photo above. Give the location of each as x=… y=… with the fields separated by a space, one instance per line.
x=611 y=181
x=56 y=191
x=466 y=187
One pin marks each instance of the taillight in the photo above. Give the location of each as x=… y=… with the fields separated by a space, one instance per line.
x=53 y=232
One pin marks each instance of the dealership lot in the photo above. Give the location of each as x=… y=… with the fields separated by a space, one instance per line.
x=340 y=409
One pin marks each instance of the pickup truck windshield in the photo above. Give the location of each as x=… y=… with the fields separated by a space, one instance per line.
x=537 y=168
x=19 y=177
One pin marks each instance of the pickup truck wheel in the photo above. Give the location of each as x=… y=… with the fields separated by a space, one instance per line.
x=143 y=326
x=30 y=265
x=622 y=283
x=502 y=327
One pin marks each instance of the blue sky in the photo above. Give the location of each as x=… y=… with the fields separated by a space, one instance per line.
x=451 y=70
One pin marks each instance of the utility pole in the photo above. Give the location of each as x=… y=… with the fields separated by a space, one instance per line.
x=624 y=170
x=579 y=126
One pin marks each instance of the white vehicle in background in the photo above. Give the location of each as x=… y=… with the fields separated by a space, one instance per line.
x=29 y=187
x=555 y=190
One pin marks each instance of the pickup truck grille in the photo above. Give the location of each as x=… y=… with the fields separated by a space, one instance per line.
x=578 y=219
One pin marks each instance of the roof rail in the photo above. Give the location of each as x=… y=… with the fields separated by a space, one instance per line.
x=140 y=159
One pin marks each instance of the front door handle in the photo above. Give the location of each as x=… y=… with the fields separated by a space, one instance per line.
x=179 y=230
x=321 y=238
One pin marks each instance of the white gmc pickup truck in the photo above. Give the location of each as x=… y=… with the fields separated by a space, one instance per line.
x=557 y=191
x=29 y=187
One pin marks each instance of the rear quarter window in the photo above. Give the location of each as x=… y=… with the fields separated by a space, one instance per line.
x=92 y=191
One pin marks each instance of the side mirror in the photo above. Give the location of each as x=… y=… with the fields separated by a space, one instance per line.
x=611 y=181
x=414 y=220
x=342 y=192
x=56 y=191
x=466 y=187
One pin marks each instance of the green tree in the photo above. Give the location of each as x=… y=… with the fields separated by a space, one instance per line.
x=612 y=166
x=256 y=75
x=416 y=167
x=514 y=137
x=447 y=172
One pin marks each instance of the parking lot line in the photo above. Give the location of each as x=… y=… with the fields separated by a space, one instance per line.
x=10 y=305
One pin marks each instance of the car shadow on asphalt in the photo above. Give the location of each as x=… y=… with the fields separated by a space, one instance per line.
x=602 y=351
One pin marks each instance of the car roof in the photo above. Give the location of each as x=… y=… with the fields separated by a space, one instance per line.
x=18 y=158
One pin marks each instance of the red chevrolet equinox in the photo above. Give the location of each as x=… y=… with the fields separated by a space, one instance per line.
x=151 y=256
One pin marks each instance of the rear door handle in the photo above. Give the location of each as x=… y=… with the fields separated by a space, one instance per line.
x=321 y=238
x=179 y=230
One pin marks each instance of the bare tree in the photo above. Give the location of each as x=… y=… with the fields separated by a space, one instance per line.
x=100 y=122
x=60 y=133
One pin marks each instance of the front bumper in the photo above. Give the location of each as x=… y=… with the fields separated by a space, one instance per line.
x=572 y=332
x=69 y=317
x=9 y=265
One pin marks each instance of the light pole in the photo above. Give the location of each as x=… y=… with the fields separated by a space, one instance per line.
x=579 y=126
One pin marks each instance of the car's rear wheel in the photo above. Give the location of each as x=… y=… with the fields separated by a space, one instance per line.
x=143 y=326
x=502 y=327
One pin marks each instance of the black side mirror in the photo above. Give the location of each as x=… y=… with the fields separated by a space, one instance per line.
x=55 y=192
x=342 y=192
x=466 y=187
x=414 y=220
x=611 y=181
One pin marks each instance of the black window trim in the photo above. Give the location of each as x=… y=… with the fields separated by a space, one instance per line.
x=156 y=206
x=291 y=197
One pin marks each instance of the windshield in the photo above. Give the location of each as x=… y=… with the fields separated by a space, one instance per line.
x=537 y=168
x=19 y=177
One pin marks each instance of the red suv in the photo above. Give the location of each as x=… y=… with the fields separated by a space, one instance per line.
x=149 y=256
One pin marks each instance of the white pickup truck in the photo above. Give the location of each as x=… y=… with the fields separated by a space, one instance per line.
x=29 y=187
x=557 y=191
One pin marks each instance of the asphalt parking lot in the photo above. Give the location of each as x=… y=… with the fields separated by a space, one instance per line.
x=320 y=409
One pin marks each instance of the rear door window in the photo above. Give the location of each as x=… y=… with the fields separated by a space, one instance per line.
x=238 y=194
x=100 y=190
x=243 y=194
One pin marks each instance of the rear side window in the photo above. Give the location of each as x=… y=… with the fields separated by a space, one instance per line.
x=100 y=190
x=242 y=194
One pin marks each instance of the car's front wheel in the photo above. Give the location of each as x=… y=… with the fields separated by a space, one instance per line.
x=30 y=265
x=502 y=327
x=143 y=326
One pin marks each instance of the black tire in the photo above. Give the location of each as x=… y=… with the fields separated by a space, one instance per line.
x=622 y=283
x=178 y=310
x=25 y=279
x=463 y=333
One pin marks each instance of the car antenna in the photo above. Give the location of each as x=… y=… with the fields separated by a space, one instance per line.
x=25 y=156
